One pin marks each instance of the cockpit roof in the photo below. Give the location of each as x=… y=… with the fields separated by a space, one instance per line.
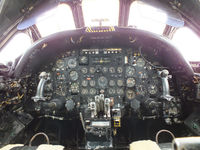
x=20 y=14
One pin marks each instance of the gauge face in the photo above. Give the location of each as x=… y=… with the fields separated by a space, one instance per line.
x=84 y=91
x=112 y=83
x=102 y=81
x=130 y=94
x=119 y=69
x=140 y=62
x=93 y=91
x=152 y=89
x=143 y=74
x=141 y=90
x=120 y=83
x=130 y=71
x=60 y=89
x=84 y=60
x=130 y=82
x=84 y=70
x=112 y=70
x=60 y=64
x=72 y=63
x=73 y=75
x=105 y=69
x=120 y=91
x=111 y=91
x=74 y=88
x=92 y=83
x=84 y=83
x=92 y=70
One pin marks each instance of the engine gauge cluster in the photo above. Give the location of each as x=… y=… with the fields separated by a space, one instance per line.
x=120 y=76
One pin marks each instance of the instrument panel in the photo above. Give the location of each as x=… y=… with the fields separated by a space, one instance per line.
x=121 y=74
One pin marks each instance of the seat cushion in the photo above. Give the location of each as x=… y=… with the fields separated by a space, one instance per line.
x=144 y=145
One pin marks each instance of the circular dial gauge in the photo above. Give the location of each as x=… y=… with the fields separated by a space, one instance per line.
x=60 y=90
x=84 y=91
x=141 y=90
x=130 y=71
x=112 y=83
x=119 y=69
x=60 y=63
x=140 y=62
x=84 y=83
x=152 y=89
x=84 y=60
x=93 y=91
x=104 y=69
x=102 y=81
x=74 y=88
x=73 y=75
x=130 y=82
x=72 y=63
x=84 y=70
x=112 y=70
x=130 y=94
x=92 y=83
x=120 y=83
